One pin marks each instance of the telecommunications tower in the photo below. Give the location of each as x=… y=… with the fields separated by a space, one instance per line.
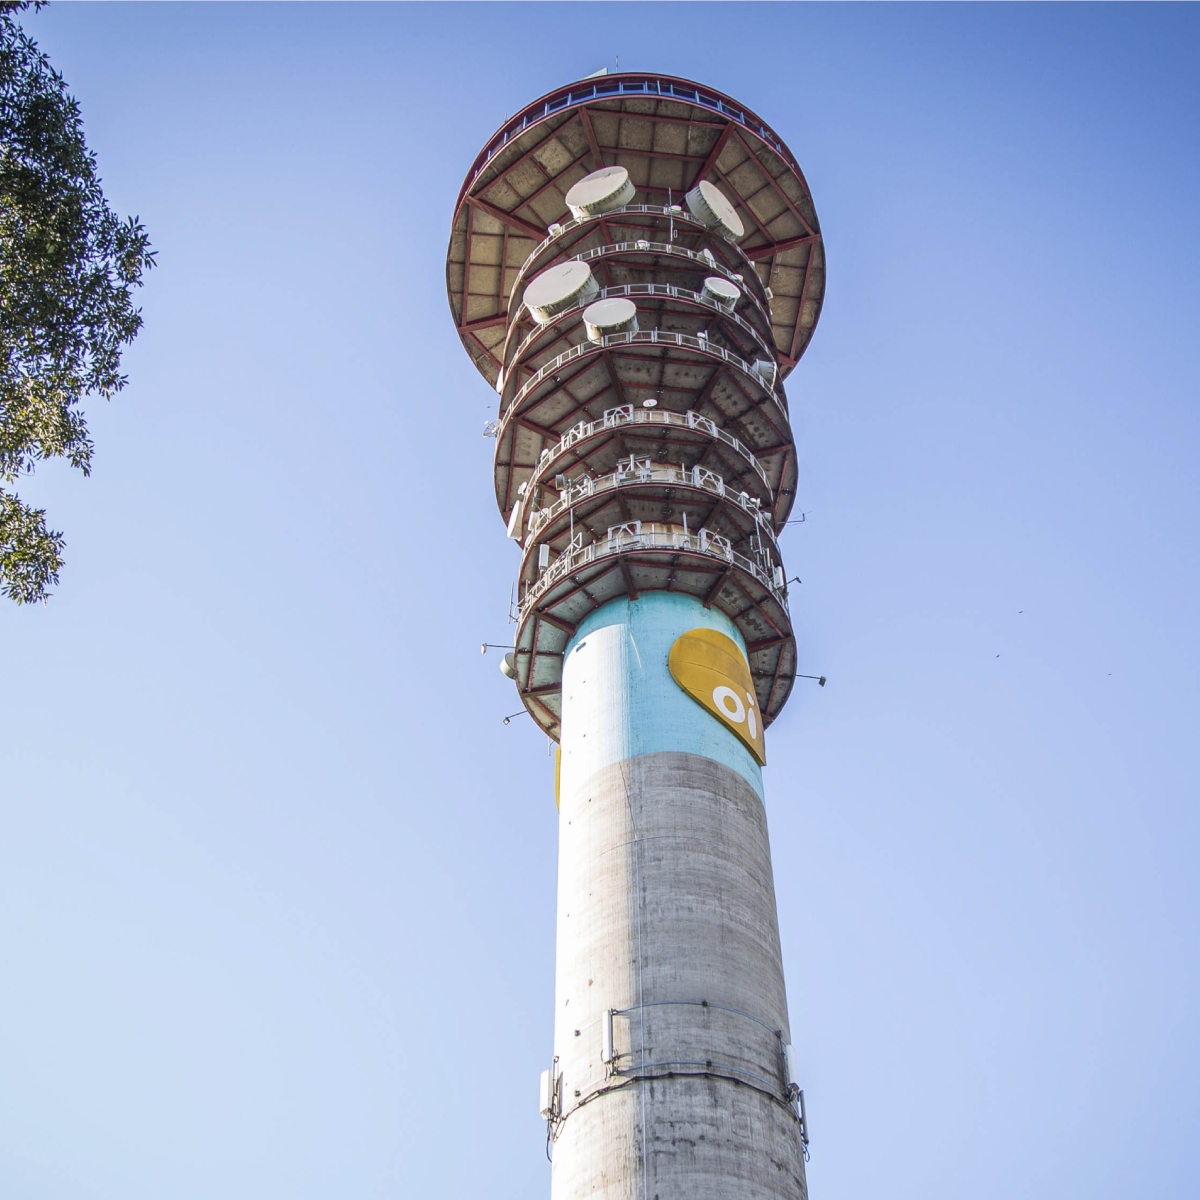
x=635 y=266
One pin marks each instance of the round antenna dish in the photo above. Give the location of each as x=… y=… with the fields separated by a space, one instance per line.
x=508 y=665
x=600 y=192
x=764 y=368
x=707 y=203
x=558 y=288
x=609 y=316
x=721 y=291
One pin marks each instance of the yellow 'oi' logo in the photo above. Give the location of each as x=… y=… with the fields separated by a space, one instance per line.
x=733 y=710
x=712 y=669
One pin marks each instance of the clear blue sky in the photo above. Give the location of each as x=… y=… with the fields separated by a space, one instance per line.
x=276 y=885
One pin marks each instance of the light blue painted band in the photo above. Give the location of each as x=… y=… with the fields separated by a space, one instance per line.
x=619 y=699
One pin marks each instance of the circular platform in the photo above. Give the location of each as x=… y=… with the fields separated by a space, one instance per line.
x=669 y=134
x=635 y=267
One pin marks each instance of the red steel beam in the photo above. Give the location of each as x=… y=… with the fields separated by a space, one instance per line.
x=486 y=351
x=800 y=304
x=775 y=184
x=466 y=280
x=761 y=252
x=483 y=323
x=566 y=626
x=749 y=211
x=764 y=644
x=711 y=161
x=526 y=227
x=586 y=122
x=715 y=590
x=630 y=586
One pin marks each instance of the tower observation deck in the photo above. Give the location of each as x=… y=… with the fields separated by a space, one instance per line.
x=636 y=266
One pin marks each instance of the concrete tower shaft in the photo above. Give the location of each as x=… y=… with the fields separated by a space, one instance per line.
x=635 y=266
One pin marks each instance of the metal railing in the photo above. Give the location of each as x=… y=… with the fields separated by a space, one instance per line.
x=645 y=246
x=647 y=337
x=676 y=213
x=636 y=471
x=613 y=87
x=664 y=291
x=637 y=536
x=626 y=414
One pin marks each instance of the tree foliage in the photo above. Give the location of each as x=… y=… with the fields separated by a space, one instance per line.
x=68 y=269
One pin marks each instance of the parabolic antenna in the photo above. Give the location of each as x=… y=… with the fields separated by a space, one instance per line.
x=558 y=288
x=609 y=316
x=706 y=202
x=721 y=291
x=600 y=192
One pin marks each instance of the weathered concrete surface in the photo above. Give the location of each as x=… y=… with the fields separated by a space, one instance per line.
x=667 y=914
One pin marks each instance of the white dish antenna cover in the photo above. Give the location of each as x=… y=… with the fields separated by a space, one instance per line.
x=617 y=315
x=707 y=203
x=766 y=371
x=600 y=192
x=558 y=288
x=721 y=291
